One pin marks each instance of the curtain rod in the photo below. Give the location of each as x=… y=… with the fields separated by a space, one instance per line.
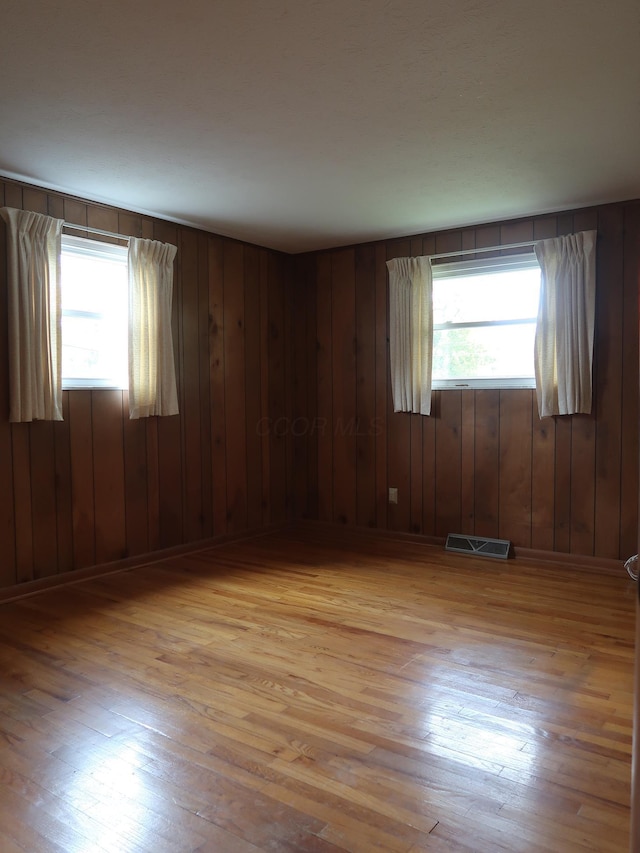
x=486 y=249
x=96 y=231
x=527 y=243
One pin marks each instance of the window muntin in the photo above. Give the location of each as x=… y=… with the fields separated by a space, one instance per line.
x=484 y=313
x=94 y=314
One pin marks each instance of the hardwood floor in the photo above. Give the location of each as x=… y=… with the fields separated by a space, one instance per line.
x=319 y=692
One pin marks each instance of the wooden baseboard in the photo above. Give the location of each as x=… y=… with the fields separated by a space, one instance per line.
x=574 y=562
x=579 y=562
x=603 y=565
x=23 y=590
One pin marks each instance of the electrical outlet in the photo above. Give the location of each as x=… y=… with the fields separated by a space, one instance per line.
x=393 y=496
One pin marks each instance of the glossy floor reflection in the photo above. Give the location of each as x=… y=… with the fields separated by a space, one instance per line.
x=296 y=693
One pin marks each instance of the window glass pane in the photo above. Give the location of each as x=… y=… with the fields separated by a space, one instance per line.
x=480 y=298
x=89 y=284
x=94 y=312
x=93 y=348
x=80 y=353
x=484 y=352
x=470 y=293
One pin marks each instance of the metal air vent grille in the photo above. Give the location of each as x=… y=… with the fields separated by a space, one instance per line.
x=478 y=545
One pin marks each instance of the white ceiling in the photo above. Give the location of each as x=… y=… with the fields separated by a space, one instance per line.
x=305 y=124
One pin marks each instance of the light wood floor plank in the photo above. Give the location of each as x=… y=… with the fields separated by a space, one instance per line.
x=308 y=691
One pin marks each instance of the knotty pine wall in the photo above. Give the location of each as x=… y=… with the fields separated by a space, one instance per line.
x=285 y=409
x=98 y=486
x=484 y=463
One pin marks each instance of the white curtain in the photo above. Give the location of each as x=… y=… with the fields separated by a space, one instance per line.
x=152 y=375
x=34 y=302
x=565 y=326
x=411 y=333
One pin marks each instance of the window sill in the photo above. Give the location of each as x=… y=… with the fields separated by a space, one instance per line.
x=90 y=385
x=483 y=384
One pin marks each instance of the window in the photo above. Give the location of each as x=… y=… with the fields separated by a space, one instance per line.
x=94 y=314
x=484 y=322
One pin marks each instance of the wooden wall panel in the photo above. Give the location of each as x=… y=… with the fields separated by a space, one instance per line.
x=484 y=463
x=297 y=425
x=35 y=199
x=629 y=438
x=324 y=435
x=487 y=463
x=543 y=445
x=99 y=486
x=277 y=354
x=583 y=448
x=516 y=232
x=235 y=383
x=562 y=494
x=608 y=370
x=382 y=385
x=190 y=399
x=467 y=462
x=23 y=512
x=429 y=469
x=265 y=421
x=365 y=410
x=135 y=483
x=217 y=386
x=515 y=466
x=81 y=441
x=343 y=382
x=252 y=385
x=311 y=381
x=303 y=426
x=289 y=370
x=13 y=195
x=108 y=476
x=416 y=485
x=43 y=499
x=204 y=385
x=448 y=463
x=153 y=484
x=303 y=423
x=64 y=497
x=8 y=573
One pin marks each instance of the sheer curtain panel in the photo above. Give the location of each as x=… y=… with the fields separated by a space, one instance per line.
x=34 y=303
x=152 y=375
x=565 y=326
x=411 y=333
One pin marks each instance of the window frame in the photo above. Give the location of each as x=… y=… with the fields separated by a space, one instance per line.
x=441 y=271
x=99 y=250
